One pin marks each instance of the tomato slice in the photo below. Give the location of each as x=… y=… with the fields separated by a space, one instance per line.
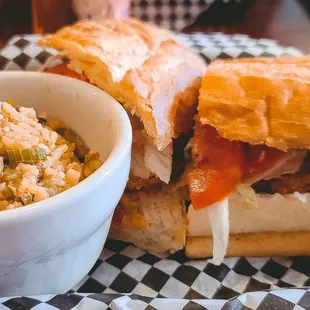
x=219 y=166
x=208 y=185
x=209 y=146
x=261 y=158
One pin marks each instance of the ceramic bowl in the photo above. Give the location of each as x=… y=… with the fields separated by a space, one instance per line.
x=49 y=246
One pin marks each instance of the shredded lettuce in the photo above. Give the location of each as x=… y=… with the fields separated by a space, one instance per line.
x=219 y=220
x=249 y=198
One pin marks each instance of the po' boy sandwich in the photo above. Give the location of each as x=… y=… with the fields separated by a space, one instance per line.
x=157 y=81
x=250 y=184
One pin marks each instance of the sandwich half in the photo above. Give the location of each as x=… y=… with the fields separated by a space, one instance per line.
x=157 y=80
x=250 y=183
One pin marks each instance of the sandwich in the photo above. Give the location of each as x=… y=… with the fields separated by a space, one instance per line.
x=232 y=179
x=249 y=183
x=156 y=79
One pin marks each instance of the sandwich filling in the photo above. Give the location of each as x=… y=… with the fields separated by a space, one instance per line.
x=222 y=166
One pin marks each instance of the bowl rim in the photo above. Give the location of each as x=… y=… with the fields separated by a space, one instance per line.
x=119 y=152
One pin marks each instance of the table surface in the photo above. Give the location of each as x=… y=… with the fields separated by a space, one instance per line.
x=287 y=21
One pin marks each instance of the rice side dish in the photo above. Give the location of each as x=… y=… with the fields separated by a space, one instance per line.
x=39 y=158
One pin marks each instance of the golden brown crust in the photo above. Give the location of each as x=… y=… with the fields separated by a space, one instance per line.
x=298 y=61
x=144 y=172
x=142 y=66
x=254 y=245
x=259 y=100
x=183 y=109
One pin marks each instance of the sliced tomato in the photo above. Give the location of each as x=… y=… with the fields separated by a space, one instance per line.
x=219 y=166
x=208 y=185
x=209 y=147
x=62 y=69
x=261 y=158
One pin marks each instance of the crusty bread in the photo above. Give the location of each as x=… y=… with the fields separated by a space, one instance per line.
x=275 y=225
x=266 y=213
x=153 y=219
x=254 y=244
x=145 y=68
x=259 y=101
x=302 y=61
x=148 y=164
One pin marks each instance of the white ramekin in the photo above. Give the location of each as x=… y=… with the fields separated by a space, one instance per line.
x=49 y=246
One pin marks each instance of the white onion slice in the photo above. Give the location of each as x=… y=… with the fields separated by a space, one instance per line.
x=248 y=194
x=219 y=221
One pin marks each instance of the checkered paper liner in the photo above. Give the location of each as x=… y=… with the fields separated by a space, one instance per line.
x=125 y=269
x=171 y=14
x=288 y=299
x=21 y=52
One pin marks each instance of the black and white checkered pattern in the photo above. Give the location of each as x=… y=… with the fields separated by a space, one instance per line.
x=172 y=14
x=125 y=269
x=21 y=52
x=288 y=299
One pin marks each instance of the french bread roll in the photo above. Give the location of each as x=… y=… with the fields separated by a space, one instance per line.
x=144 y=67
x=259 y=101
x=263 y=244
x=269 y=225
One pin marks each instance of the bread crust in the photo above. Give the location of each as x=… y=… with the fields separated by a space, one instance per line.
x=153 y=219
x=269 y=225
x=264 y=244
x=259 y=101
x=145 y=68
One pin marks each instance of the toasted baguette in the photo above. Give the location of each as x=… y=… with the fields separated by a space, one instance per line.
x=259 y=101
x=302 y=61
x=145 y=68
x=153 y=219
x=266 y=213
x=270 y=225
x=264 y=244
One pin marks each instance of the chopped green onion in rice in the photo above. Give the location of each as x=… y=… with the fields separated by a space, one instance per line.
x=39 y=157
